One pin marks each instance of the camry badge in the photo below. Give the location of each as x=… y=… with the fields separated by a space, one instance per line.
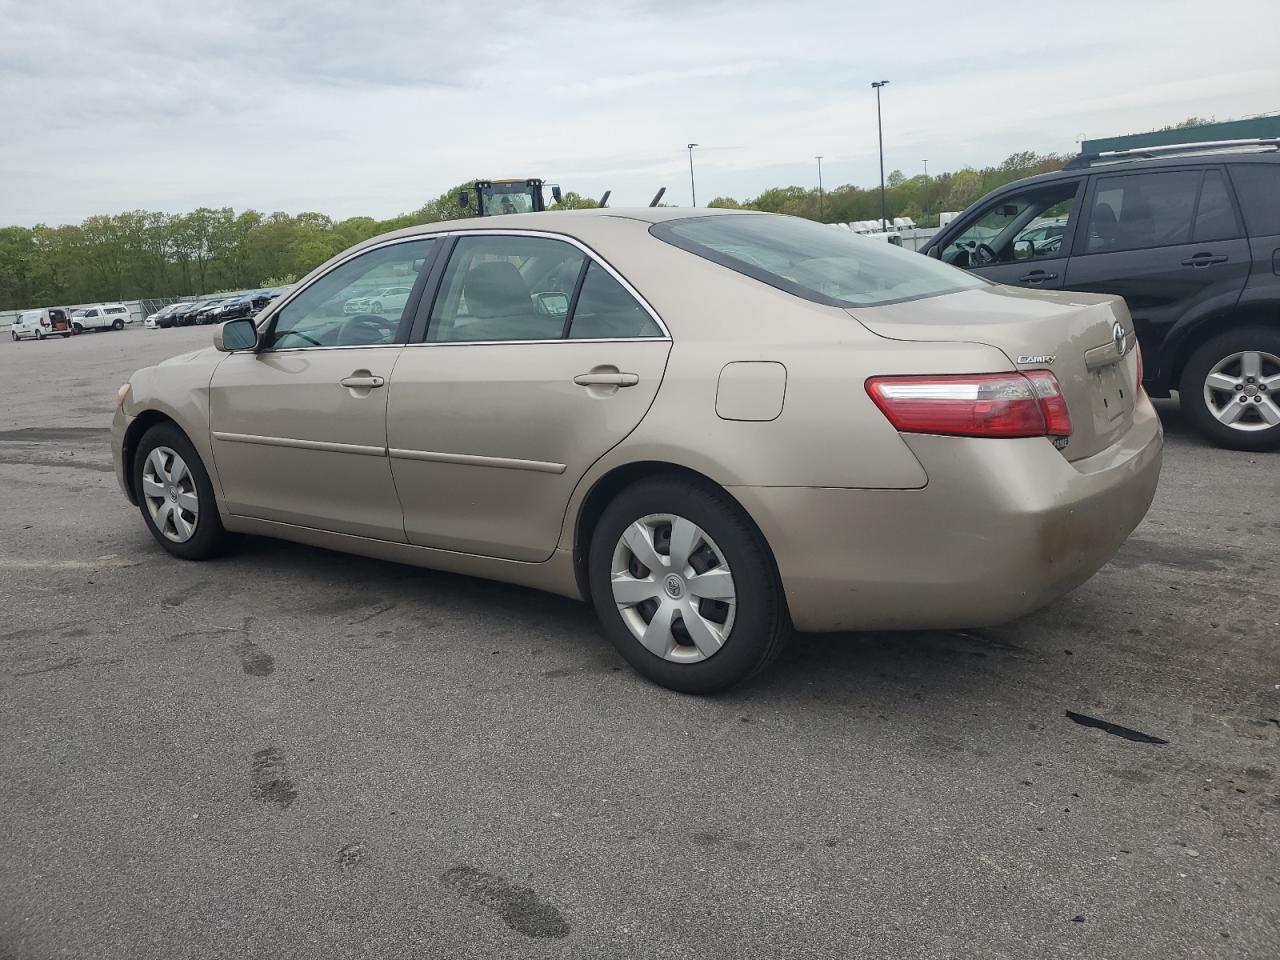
x=1038 y=358
x=1120 y=338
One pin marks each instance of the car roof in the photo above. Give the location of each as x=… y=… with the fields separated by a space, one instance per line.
x=1133 y=164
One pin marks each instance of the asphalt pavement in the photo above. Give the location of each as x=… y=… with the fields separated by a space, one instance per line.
x=292 y=753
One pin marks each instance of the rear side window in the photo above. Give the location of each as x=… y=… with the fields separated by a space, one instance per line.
x=605 y=311
x=1215 y=217
x=1142 y=210
x=1258 y=186
x=817 y=262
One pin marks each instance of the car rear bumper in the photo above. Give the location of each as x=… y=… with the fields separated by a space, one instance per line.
x=1002 y=528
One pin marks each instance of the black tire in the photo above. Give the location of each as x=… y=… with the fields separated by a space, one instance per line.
x=117 y=324
x=39 y=334
x=209 y=538
x=13 y=336
x=761 y=626
x=1191 y=388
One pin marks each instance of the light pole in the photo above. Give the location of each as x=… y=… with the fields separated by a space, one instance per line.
x=925 y=207
x=876 y=85
x=821 y=216
x=693 y=190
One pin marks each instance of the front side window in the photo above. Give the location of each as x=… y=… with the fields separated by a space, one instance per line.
x=505 y=288
x=1142 y=210
x=814 y=261
x=319 y=316
x=1028 y=226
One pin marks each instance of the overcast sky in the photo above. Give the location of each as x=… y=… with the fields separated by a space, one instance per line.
x=374 y=107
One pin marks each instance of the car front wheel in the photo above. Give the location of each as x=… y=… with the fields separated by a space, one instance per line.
x=1230 y=389
x=176 y=496
x=685 y=586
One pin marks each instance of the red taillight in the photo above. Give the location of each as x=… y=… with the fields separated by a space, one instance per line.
x=974 y=405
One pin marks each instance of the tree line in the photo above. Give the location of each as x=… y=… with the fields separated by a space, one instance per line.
x=129 y=256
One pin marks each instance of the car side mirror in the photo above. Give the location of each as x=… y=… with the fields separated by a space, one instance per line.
x=235 y=335
x=1023 y=249
x=555 y=193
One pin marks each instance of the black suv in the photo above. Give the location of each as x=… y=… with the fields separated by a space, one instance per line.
x=1188 y=235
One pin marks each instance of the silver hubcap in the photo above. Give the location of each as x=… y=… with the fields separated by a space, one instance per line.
x=169 y=490
x=1241 y=390
x=673 y=588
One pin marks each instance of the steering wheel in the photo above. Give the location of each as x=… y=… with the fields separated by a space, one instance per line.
x=984 y=254
x=366 y=328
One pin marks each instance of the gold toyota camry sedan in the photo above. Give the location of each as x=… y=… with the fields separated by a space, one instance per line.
x=715 y=426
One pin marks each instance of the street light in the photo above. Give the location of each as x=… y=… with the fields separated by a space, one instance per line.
x=876 y=85
x=820 y=213
x=693 y=190
x=926 y=188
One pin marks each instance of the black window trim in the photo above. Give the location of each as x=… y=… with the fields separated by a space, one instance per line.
x=663 y=230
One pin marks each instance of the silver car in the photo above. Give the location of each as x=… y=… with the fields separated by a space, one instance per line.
x=715 y=426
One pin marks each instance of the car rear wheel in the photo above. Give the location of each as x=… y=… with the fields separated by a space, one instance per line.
x=685 y=587
x=13 y=335
x=117 y=324
x=176 y=496
x=1230 y=389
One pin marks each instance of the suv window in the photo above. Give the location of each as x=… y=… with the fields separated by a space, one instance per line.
x=812 y=260
x=1215 y=216
x=1027 y=226
x=1142 y=210
x=316 y=316
x=1258 y=185
x=505 y=288
x=117 y=309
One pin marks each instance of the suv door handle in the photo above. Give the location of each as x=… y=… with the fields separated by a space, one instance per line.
x=1204 y=260
x=1037 y=276
x=361 y=382
x=607 y=379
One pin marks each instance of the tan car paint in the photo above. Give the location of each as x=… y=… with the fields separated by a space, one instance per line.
x=488 y=441
x=294 y=445
x=868 y=528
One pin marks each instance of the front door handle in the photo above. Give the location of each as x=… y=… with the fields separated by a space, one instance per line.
x=357 y=382
x=1204 y=260
x=607 y=379
x=1037 y=276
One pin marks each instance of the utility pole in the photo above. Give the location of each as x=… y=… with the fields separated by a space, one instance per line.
x=693 y=189
x=876 y=85
x=821 y=215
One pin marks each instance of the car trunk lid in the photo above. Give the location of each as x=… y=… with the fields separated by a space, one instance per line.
x=1086 y=340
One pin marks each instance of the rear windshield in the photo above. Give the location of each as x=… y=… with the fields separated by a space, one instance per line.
x=821 y=263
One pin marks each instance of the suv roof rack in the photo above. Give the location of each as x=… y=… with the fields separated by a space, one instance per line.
x=1168 y=150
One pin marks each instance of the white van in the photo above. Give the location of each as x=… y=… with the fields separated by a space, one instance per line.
x=38 y=324
x=105 y=316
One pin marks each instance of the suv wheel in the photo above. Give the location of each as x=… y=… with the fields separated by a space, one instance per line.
x=117 y=324
x=175 y=495
x=685 y=587
x=1230 y=389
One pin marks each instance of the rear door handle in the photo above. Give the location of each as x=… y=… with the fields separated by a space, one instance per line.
x=1037 y=276
x=362 y=382
x=607 y=379
x=1204 y=260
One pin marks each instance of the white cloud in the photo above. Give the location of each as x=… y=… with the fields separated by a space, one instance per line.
x=360 y=108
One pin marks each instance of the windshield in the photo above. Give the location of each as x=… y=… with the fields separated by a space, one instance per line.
x=507 y=198
x=811 y=260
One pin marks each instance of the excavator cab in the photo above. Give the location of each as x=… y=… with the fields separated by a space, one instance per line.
x=492 y=197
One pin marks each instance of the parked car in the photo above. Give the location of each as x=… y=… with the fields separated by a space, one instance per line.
x=186 y=316
x=388 y=299
x=209 y=313
x=712 y=424
x=105 y=316
x=234 y=308
x=1189 y=236
x=160 y=319
x=38 y=324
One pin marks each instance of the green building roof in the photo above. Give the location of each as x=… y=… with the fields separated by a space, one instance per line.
x=1228 y=130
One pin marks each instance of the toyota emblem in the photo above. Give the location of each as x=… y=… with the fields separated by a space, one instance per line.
x=1120 y=338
